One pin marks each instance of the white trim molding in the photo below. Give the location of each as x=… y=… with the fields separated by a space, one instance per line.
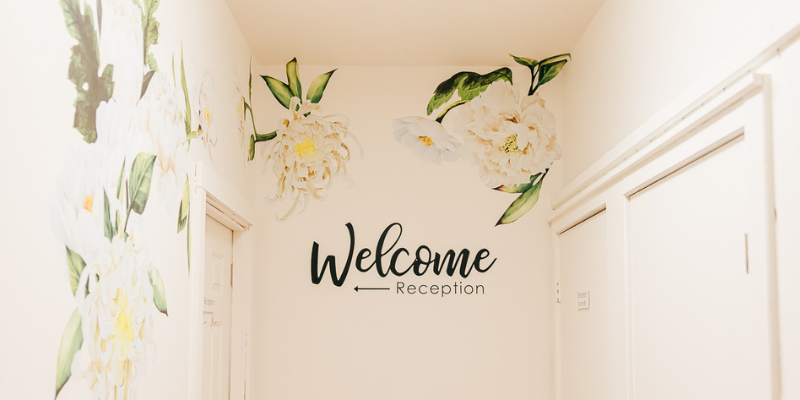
x=212 y=196
x=731 y=80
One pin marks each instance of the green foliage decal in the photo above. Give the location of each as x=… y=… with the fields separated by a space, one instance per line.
x=83 y=66
x=468 y=84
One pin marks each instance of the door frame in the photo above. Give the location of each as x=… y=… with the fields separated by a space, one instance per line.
x=212 y=196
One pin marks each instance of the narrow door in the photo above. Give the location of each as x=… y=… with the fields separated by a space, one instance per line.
x=584 y=311
x=217 y=311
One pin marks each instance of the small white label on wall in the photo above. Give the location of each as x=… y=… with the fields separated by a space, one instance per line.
x=583 y=300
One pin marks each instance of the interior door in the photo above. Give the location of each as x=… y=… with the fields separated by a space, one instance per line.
x=699 y=298
x=217 y=311
x=584 y=326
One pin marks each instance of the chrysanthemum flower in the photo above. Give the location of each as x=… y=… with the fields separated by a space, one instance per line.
x=115 y=300
x=308 y=152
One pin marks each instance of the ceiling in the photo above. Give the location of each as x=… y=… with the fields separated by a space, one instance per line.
x=410 y=32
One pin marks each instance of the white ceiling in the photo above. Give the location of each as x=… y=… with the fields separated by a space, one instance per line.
x=410 y=32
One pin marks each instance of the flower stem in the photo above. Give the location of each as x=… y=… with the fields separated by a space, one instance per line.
x=533 y=88
x=127 y=218
x=265 y=137
x=450 y=107
x=252 y=118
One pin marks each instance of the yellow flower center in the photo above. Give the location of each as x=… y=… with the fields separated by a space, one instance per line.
x=426 y=141
x=510 y=145
x=207 y=115
x=88 y=202
x=123 y=332
x=306 y=150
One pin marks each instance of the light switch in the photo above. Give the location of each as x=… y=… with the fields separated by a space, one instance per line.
x=583 y=300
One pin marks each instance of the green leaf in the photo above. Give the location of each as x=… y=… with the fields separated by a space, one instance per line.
x=183 y=210
x=139 y=181
x=252 y=149
x=117 y=224
x=549 y=71
x=83 y=66
x=150 y=32
x=555 y=59
x=292 y=70
x=318 y=87
x=189 y=244
x=76 y=265
x=173 y=69
x=250 y=83
x=518 y=188
x=120 y=183
x=521 y=205
x=146 y=82
x=528 y=62
x=71 y=341
x=279 y=89
x=108 y=226
x=159 y=294
x=468 y=84
x=188 y=116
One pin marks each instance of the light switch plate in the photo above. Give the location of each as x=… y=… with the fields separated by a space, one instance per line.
x=583 y=300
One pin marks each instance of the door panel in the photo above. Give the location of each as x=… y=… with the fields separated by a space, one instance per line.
x=217 y=311
x=584 y=332
x=698 y=308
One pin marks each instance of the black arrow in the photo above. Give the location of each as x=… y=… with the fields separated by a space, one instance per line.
x=370 y=288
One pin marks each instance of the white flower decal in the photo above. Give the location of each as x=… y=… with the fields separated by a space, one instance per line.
x=308 y=152
x=117 y=320
x=205 y=113
x=510 y=138
x=427 y=139
x=159 y=113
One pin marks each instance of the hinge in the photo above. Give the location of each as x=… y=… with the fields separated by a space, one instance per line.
x=558 y=292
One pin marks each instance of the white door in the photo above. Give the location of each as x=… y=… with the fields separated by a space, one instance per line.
x=584 y=327
x=699 y=300
x=217 y=311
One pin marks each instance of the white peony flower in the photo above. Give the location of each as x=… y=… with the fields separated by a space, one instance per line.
x=116 y=134
x=510 y=138
x=159 y=117
x=308 y=152
x=122 y=45
x=77 y=209
x=117 y=319
x=427 y=139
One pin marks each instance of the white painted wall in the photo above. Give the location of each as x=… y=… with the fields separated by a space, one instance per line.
x=319 y=341
x=37 y=133
x=638 y=55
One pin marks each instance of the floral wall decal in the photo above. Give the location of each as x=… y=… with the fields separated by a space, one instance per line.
x=308 y=148
x=129 y=114
x=510 y=138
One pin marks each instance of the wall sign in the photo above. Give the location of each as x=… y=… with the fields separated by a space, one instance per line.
x=583 y=300
x=391 y=259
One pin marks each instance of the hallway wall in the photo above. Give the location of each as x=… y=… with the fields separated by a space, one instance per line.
x=42 y=152
x=322 y=341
